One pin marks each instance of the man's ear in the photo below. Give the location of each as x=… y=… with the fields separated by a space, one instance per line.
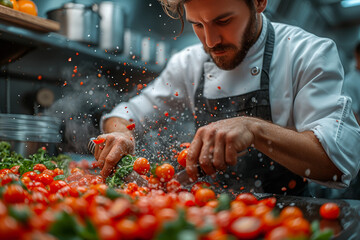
x=260 y=5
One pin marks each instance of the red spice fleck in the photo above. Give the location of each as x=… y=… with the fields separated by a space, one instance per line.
x=99 y=141
x=172 y=118
x=219 y=87
x=39 y=77
x=176 y=94
x=166 y=114
x=81 y=83
x=131 y=126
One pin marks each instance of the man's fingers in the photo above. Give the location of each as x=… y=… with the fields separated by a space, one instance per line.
x=206 y=160
x=192 y=158
x=231 y=155
x=111 y=160
x=219 y=152
x=103 y=155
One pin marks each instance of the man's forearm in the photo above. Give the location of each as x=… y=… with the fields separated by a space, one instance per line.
x=116 y=124
x=301 y=153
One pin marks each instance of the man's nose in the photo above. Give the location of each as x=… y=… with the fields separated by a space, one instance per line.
x=212 y=37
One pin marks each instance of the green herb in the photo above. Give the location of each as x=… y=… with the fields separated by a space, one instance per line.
x=21 y=214
x=123 y=168
x=59 y=177
x=223 y=202
x=318 y=234
x=67 y=227
x=178 y=230
x=8 y=159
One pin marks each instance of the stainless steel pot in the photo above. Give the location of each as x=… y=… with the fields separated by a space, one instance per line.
x=78 y=22
x=112 y=24
x=27 y=133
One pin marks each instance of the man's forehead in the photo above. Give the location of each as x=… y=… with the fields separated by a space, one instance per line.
x=214 y=10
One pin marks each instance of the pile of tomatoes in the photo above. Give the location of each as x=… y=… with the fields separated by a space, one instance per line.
x=44 y=204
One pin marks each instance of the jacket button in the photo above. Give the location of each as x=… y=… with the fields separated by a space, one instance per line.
x=255 y=71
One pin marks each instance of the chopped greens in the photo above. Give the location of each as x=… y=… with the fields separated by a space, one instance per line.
x=123 y=168
x=9 y=159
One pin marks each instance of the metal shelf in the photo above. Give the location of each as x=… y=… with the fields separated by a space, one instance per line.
x=59 y=42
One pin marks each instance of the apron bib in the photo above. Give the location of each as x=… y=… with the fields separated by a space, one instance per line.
x=254 y=171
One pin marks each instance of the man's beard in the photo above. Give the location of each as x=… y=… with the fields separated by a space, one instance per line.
x=246 y=43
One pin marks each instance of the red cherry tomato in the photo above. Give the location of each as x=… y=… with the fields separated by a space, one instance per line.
x=57 y=185
x=44 y=178
x=165 y=172
x=141 y=165
x=182 y=157
x=247 y=198
x=15 y=169
x=270 y=202
x=10 y=177
x=329 y=211
x=40 y=167
x=14 y=193
x=199 y=185
x=173 y=186
x=246 y=227
x=32 y=175
x=290 y=212
x=298 y=226
x=204 y=195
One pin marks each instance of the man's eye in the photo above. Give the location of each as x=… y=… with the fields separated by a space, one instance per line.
x=197 y=25
x=223 y=22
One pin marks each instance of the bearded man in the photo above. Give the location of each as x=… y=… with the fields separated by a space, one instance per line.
x=269 y=91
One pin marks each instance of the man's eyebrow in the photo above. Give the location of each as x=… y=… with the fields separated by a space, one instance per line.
x=224 y=15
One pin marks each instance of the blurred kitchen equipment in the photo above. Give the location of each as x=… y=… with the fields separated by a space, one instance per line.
x=112 y=25
x=132 y=44
x=78 y=22
x=28 y=133
x=45 y=97
x=148 y=49
x=162 y=52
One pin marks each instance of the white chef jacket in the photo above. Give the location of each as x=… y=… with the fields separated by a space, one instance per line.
x=351 y=88
x=306 y=77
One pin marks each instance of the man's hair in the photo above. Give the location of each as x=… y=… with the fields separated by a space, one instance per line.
x=175 y=9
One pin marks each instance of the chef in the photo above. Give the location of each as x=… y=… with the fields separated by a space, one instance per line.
x=351 y=85
x=265 y=98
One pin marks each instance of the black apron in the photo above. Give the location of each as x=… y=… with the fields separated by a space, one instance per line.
x=254 y=171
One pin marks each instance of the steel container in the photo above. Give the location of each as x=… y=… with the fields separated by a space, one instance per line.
x=27 y=133
x=78 y=22
x=112 y=25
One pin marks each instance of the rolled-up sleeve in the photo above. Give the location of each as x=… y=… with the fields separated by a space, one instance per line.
x=320 y=107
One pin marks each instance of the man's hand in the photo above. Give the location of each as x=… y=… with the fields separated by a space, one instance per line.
x=217 y=145
x=119 y=141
